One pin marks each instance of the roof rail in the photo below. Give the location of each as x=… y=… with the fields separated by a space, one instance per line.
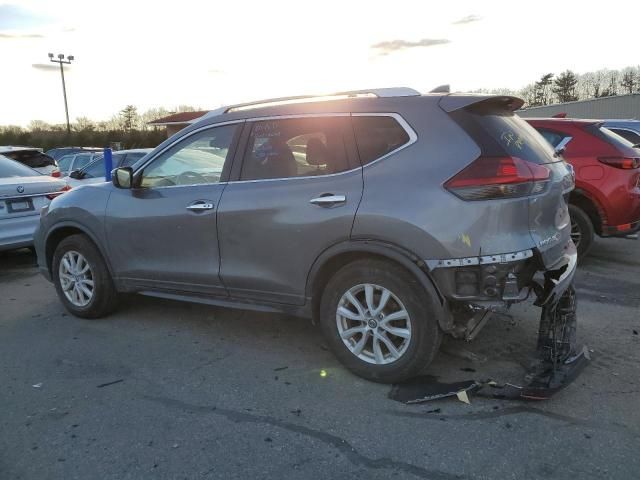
x=371 y=92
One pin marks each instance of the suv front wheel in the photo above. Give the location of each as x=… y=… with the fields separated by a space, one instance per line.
x=379 y=321
x=82 y=278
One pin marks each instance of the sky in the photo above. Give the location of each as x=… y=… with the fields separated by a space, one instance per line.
x=211 y=53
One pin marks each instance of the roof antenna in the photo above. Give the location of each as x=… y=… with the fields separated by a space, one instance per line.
x=442 y=89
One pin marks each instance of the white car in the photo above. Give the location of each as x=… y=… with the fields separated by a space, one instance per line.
x=23 y=193
x=76 y=161
x=95 y=171
x=33 y=158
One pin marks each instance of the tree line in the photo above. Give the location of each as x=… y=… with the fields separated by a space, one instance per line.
x=128 y=127
x=569 y=86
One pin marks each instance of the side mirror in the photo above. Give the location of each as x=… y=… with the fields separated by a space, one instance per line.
x=76 y=174
x=122 y=177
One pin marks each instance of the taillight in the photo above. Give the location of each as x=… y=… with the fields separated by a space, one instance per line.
x=625 y=163
x=53 y=195
x=56 y=174
x=490 y=178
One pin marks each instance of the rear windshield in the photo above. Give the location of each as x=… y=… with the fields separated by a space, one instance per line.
x=500 y=132
x=31 y=158
x=11 y=168
x=622 y=144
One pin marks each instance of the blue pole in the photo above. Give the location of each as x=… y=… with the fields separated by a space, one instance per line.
x=108 y=164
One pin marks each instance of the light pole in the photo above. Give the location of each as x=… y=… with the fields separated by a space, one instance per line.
x=62 y=61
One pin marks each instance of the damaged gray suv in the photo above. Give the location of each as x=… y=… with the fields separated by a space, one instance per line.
x=389 y=217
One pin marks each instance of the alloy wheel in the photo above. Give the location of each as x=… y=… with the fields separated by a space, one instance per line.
x=76 y=278
x=576 y=233
x=373 y=324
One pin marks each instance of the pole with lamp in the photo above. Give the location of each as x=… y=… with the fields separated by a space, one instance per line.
x=61 y=61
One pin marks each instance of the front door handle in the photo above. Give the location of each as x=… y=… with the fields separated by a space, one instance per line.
x=328 y=200
x=199 y=206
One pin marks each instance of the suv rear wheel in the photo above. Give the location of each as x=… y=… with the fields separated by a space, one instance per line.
x=379 y=321
x=582 y=232
x=82 y=279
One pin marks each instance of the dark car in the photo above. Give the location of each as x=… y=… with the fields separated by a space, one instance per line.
x=389 y=217
x=32 y=158
x=606 y=201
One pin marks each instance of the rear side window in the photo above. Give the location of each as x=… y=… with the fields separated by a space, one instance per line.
x=300 y=147
x=623 y=145
x=65 y=162
x=633 y=137
x=82 y=160
x=376 y=136
x=95 y=170
x=499 y=132
x=32 y=159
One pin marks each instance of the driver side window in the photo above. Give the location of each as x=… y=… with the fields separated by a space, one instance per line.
x=199 y=159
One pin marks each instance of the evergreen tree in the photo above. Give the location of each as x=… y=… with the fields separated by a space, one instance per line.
x=565 y=87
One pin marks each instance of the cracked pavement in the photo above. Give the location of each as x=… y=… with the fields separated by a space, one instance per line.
x=162 y=389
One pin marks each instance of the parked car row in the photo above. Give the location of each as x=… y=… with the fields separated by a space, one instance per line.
x=30 y=179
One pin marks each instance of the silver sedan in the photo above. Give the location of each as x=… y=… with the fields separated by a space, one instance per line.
x=23 y=192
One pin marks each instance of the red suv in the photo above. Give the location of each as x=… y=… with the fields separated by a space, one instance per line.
x=606 y=200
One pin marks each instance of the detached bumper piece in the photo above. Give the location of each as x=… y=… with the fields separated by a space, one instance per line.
x=560 y=361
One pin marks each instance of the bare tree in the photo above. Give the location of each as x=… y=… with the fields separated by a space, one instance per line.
x=629 y=81
x=83 y=124
x=38 y=126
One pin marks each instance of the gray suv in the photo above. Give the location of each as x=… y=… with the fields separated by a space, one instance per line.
x=389 y=217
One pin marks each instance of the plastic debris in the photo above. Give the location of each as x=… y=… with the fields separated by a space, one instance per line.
x=427 y=388
x=463 y=397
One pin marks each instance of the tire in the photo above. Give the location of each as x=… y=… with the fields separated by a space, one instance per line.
x=406 y=294
x=582 y=231
x=104 y=298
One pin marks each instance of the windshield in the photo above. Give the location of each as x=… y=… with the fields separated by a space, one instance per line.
x=11 y=168
x=499 y=131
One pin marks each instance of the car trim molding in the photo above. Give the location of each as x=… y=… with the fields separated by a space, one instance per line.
x=482 y=260
x=30 y=195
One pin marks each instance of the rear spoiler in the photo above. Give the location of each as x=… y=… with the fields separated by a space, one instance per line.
x=451 y=103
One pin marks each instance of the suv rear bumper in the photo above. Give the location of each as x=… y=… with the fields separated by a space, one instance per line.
x=560 y=277
x=504 y=279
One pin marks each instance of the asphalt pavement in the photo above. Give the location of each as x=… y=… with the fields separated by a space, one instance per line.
x=163 y=389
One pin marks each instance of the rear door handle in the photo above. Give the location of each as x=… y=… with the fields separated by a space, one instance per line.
x=328 y=200
x=200 y=205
